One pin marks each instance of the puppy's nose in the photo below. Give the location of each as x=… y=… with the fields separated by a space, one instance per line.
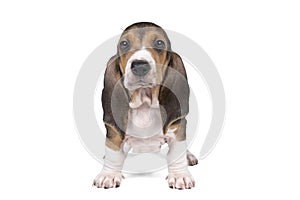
x=140 y=67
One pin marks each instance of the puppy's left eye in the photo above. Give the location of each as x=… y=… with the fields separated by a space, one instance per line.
x=124 y=45
x=159 y=44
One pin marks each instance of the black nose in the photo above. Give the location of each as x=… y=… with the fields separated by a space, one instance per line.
x=140 y=67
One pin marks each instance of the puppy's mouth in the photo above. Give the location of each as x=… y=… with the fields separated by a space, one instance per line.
x=143 y=84
x=140 y=84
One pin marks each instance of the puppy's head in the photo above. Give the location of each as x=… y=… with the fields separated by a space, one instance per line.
x=143 y=51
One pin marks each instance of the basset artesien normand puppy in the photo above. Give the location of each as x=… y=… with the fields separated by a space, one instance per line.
x=145 y=102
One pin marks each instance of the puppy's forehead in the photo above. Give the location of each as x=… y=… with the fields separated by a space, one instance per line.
x=144 y=35
x=141 y=32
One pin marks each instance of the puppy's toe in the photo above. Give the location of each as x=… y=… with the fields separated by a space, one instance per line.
x=117 y=181
x=108 y=182
x=189 y=182
x=180 y=183
x=171 y=182
x=98 y=181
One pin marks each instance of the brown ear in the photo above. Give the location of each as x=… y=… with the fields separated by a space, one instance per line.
x=115 y=101
x=174 y=93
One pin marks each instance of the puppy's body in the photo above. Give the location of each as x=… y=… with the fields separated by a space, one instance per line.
x=145 y=102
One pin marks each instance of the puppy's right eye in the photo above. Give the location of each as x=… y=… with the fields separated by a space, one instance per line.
x=124 y=45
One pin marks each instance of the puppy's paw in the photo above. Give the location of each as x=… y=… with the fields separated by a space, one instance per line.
x=192 y=160
x=108 y=180
x=181 y=180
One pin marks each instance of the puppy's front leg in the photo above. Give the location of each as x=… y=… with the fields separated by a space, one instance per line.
x=111 y=174
x=179 y=177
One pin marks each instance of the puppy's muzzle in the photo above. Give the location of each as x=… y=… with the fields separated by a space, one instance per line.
x=140 y=67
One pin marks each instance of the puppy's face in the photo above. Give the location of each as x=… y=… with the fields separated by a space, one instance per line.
x=143 y=53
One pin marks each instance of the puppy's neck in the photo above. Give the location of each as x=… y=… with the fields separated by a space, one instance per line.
x=148 y=96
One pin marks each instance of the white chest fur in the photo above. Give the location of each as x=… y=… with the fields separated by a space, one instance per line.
x=144 y=121
x=144 y=127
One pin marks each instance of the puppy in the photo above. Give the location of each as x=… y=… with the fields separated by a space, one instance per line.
x=145 y=101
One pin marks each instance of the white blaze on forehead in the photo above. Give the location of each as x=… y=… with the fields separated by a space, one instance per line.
x=142 y=54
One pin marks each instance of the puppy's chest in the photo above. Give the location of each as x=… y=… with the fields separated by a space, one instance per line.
x=144 y=127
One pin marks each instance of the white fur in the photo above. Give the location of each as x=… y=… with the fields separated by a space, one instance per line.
x=111 y=175
x=144 y=129
x=147 y=139
x=179 y=176
x=176 y=158
x=113 y=160
x=145 y=145
x=144 y=122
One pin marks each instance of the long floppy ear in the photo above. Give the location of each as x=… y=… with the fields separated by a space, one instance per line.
x=115 y=101
x=174 y=93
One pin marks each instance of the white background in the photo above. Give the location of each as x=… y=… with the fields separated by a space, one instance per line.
x=254 y=44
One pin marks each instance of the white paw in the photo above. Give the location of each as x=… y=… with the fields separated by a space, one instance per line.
x=181 y=180
x=108 y=180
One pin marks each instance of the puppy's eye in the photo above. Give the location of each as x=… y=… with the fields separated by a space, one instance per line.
x=124 y=45
x=159 y=44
